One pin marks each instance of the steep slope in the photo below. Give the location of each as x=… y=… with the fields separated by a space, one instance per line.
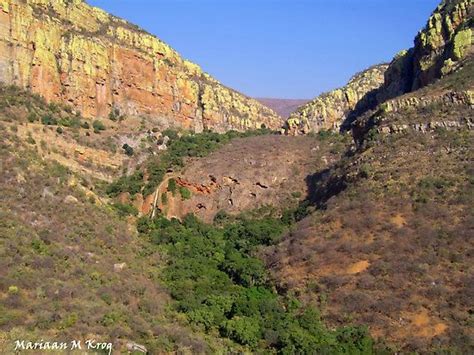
x=252 y=173
x=70 y=52
x=391 y=245
x=330 y=110
x=283 y=107
x=439 y=49
x=71 y=268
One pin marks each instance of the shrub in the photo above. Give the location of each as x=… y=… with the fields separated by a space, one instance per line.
x=32 y=117
x=49 y=120
x=172 y=186
x=98 y=126
x=124 y=210
x=185 y=193
x=244 y=330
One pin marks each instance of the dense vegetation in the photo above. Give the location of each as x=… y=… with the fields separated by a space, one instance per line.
x=180 y=147
x=222 y=289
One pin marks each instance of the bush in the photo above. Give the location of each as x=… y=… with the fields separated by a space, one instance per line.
x=131 y=184
x=217 y=283
x=185 y=193
x=124 y=210
x=49 y=120
x=244 y=330
x=32 y=117
x=98 y=126
x=172 y=186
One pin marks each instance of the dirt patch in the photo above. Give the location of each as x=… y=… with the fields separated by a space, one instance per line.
x=358 y=267
x=398 y=220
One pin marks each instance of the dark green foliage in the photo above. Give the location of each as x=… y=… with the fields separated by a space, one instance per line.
x=114 y=114
x=217 y=283
x=172 y=186
x=73 y=121
x=131 y=184
x=32 y=117
x=59 y=130
x=49 y=120
x=124 y=210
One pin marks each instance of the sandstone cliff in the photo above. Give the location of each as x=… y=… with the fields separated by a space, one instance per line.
x=68 y=51
x=330 y=110
x=441 y=48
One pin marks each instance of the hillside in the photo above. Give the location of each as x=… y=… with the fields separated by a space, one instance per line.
x=144 y=204
x=439 y=50
x=283 y=107
x=68 y=51
x=391 y=245
x=79 y=265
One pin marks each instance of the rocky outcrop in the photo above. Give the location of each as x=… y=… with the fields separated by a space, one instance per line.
x=250 y=173
x=330 y=110
x=440 y=49
x=68 y=51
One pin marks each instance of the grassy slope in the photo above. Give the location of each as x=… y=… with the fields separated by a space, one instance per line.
x=392 y=245
x=57 y=258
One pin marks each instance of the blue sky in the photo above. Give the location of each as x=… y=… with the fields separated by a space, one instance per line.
x=280 y=48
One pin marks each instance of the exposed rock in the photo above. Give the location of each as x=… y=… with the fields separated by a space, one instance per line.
x=137 y=348
x=250 y=173
x=47 y=193
x=68 y=51
x=70 y=199
x=330 y=110
x=440 y=49
x=119 y=267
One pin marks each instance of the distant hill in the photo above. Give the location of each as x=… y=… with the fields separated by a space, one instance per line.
x=284 y=107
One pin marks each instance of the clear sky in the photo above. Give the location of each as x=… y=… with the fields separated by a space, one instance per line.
x=280 y=48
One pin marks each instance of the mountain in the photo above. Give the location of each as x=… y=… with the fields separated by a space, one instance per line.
x=283 y=107
x=439 y=49
x=389 y=244
x=330 y=110
x=159 y=239
x=68 y=51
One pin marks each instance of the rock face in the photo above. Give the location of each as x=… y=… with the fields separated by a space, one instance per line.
x=68 y=51
x=330 y=110
x=250 y=173
x=440 y=49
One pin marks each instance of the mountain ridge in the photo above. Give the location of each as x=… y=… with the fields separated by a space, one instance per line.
x=100 y=64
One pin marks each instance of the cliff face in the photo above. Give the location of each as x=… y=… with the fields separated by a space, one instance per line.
x=441 y=48
x=330 y=110
x=68 y=51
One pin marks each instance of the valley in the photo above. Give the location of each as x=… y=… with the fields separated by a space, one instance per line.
x=145 y=205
